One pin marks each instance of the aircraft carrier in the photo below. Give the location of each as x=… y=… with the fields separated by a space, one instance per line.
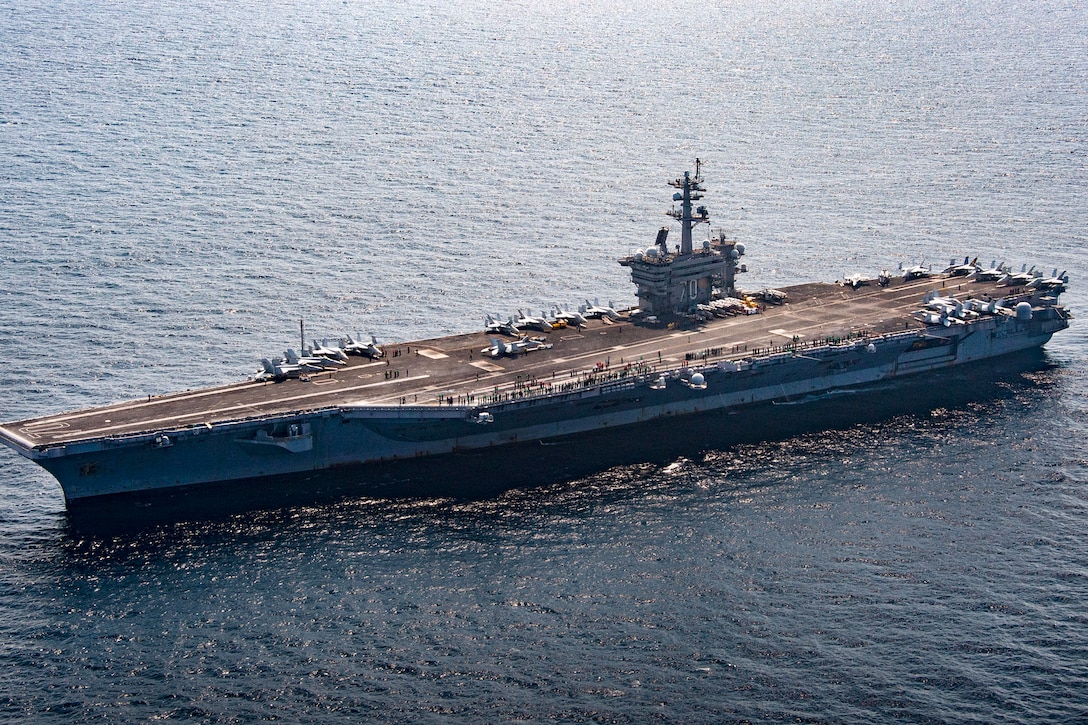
x=696 y=344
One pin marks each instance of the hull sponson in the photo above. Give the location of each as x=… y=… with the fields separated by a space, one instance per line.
x=357 y=435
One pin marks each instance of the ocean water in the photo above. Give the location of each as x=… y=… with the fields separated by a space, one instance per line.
x=183 y=182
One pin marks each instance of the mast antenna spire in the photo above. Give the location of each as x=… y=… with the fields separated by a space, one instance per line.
x=691 y=190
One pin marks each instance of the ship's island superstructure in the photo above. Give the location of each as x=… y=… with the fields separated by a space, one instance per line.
x=672 y=284
x=695 y=344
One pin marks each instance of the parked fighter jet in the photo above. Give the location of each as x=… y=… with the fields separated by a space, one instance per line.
x=289 y=367
x=935 y=302
x=934 y=318
x=949 y=306
x=1054 y=283
x=995 y=272
x=854 y=281
x=499 y=348
x=595 y=310
x=494 y=327
x=315 y=362
x=968 y=267
x=278 y=370
x=371 y=350
x=990 y=307
x=326 y=350
x=915 y=272
x=533 y=323
x=1015 y=279
x=571 y=318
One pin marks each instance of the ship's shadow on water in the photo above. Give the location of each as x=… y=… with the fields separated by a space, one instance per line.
x=482 y=475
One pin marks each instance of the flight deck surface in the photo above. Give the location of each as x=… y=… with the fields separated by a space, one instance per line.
x=457 y=369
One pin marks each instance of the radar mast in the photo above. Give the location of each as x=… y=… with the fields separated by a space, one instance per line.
x=691 y=190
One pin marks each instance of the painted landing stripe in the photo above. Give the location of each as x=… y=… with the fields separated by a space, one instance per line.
x=159 y=422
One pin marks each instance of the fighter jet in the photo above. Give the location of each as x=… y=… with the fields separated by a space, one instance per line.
x=934 y=318
x=934 y=301
x=595 y=310
x=315 y=362
x=371 y=350
x=915 y=272
x=968 y=267
x=571 y=318
x=326 y=350
x=494 y=327
x=994 y=273
x=1015 y=279
x=1054 y=283
x=291 y=366
x=279 y=370
x=854 y=281
x=991 y=307
x=949 y=306
x=533 y=323
x=500 y=348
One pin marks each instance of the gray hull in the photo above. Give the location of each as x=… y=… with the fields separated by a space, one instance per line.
x=358 y=436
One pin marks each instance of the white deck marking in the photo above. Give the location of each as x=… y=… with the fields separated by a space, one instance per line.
x=154 y=423
x=37 y=430
x=785 y=333
x=432 y=354
x=173 y=397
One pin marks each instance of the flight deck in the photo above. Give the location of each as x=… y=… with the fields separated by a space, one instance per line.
x=458 y=369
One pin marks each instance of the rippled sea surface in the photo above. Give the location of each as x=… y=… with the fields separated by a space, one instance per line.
x=182 y=182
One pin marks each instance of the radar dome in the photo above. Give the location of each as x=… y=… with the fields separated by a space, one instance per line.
x=1023 y=311
x=652 y=252
x=734 y=254
x=740 y=248
x=698 y=381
